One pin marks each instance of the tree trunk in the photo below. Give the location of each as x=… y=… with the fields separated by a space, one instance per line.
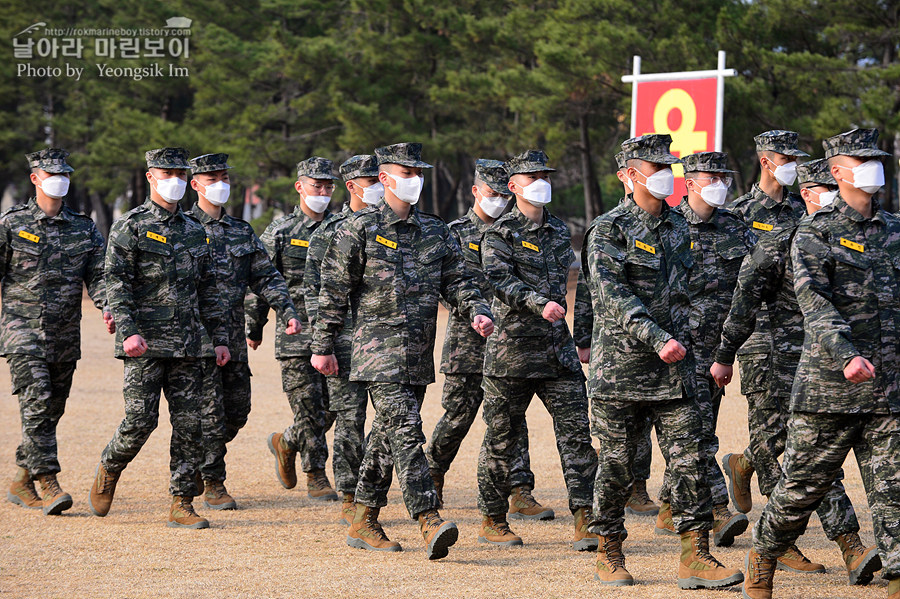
x=102 y=214
x=591 y=187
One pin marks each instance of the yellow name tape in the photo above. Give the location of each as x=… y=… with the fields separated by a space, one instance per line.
x=302 y=243
x=852 y=245
x=643 y=246
x=530 y=246
x=156 y=237
x=762 y=226
x=692 y=245
x=387 y=242
x=474 y=246
x=29 y=236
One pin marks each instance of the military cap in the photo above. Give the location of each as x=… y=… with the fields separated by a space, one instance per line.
x=780 y=141
x=315 y=168
x=653 y=147
x=405 y=154
x=815 y=171
x=494 y=174
x=51 y=160
x=620 y=161
x=529 y=161
x=361 y=165
x=209 y=163
x=861 y=143
x=167 y=158
x=706 y=162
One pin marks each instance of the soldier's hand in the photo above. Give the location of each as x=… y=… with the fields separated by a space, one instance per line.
x=859 y=370
x=253 y=343
x=484 y=325
x=672 y=352
x=584 y=354
x=223 y=356
x=553 y=312
x=109 y=322
x=134 y=346
x=721 y=373
x=327 y=365
x=293 y=327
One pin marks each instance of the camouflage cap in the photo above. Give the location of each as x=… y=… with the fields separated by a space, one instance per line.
x=620 y=161
x=361 y=165
x=208 y=163
x=529 y=161
x=494 y=174
x=815 y=171
x=653 y=147
x=706 y=162
x=167 y=158
x=315 y=167
x=51 y=160
x=405 y=154
x=862 y=143
x=780 y=141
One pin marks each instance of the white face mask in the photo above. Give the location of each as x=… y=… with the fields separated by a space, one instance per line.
x=317 y=204
x=660 y=184
x=171 y=189
x=629 y=185
x=493 y=206
x=714 y=194
x=537 y=193
x=55 y=186
x=826 y=198
x=408 y=189
x=785 y=174
x=372 y=194
x=217 y=193
x=868 y=176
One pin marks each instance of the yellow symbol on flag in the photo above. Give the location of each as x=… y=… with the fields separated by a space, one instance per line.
x=684 y=139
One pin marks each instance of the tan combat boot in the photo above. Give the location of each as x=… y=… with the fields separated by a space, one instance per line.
x=53 y=499
x=699 y=569
x=523 y=506
x=862 y=562
x=285 y=457
x=348 y=509
x=103 y=490
x=21 y=491
x=610 y=569
x=318 y=487
x=640 y=504
x=739 y=472
x=182 y=514
x=760 y=576
x=216 y=497
x=794 y=561
x=584 y=540
x=438 y=477
x=439 y=535
x=665 y=525
x=366 y=531
x=727 y=526
x=496 y=531
x=894 y=588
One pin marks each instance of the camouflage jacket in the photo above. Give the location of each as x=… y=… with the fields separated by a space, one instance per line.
x=638 y=270
x=847 y=279
x=287 y=241
x=527 y=264
x=161 y=284
x=718 y=247
x=391 y=272
x=463 y=350
x=763 y=215
x=241 y=262
x=44 y=263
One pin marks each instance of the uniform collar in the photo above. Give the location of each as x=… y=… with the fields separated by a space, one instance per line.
x=205 y=218
x=765 y=199
x=650 y=221
x=39 y=214
x=306 y=220
x=527 y=223
x=390 y=217
x=480 y=225
x=848 y=211
x=161 y=213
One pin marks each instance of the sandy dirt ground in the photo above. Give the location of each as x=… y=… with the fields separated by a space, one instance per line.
x=282 y=544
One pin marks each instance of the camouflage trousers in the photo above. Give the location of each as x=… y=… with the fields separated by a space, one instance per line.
x=42 y=388
x=181 y=379
x=226 y=406
x=677 y=428
x=643 y=451
x=347 y=401
x=505 y=400
x=308 y=396
x=461 y=399
x=396 y=440
x=817 y=445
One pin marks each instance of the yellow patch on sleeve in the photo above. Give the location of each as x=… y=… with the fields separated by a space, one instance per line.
x=852 y=245
x=692 y=245
x=762 y=226
x=207 y=241
x=530 y=246
x=474 y=246
x=643 y=246
x=301 y=242
x=29 y=236
x=156 y=237
x=387 y=242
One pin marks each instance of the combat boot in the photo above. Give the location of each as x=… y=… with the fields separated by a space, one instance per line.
x=348 y=509
x=760 y=576
x=438 y=477
x=640 y=504
x=610 y=569
x=21 y=491
x=665 y=525
x=496 y=531
x=862 y=562
x=103 y=490
x=727 y=526
x=182 y=514
x=699 y=569
x=794 y=561
x=318 y=487
x=894 y=588
x=739 y=472
x=215 y=497
x=439 y=535
x=53 y=499
x=584 y=540
x=366 y=531
x=285 y=457
x=523 y=506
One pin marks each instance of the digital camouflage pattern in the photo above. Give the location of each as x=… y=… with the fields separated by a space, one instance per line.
x=50 y=160
x=315 y=167
x=653 y=147
x=209 y=163
x=361 y=165
x=167 y=158
x=706 y=162
x=224 y=411
x=529 y=161
x=493 y=173
x=307 y=394
x=861 y=143
x=815 y=171
x=404 y=154
x=780 y=142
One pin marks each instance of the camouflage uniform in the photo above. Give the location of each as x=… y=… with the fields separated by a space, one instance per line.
x=44 y=263
x=160 y=284
x=527 y=264
x=765 y=414
x=847 y=279
x=638 y=269
x=241 y=262
x=391 y=273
